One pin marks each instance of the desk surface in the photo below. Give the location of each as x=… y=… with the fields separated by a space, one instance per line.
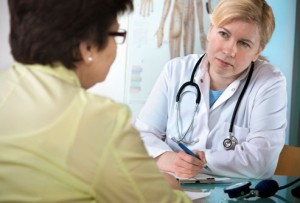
x=217 y=194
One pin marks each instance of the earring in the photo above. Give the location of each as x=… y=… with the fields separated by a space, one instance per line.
x=90 y=59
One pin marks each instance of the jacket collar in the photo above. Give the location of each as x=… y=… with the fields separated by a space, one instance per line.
x=58 y=71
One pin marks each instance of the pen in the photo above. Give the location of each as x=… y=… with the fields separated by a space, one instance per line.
x=186 y=150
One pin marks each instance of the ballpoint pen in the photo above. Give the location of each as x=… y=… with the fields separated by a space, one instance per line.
x=188 y=151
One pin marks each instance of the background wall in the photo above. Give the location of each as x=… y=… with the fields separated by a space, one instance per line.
x=5 y=56
x=137 y=66
x=280 y=50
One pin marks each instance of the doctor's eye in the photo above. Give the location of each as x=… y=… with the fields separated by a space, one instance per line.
x=244 y=44
x=223 y=34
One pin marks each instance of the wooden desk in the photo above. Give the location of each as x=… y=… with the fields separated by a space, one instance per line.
x=218 y=196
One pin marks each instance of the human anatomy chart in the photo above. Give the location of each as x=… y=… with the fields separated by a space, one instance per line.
x=157 y=32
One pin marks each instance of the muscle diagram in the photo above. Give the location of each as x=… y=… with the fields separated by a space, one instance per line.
x=146 y=7
x=182 y=26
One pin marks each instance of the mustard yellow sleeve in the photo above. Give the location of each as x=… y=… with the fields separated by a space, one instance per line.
x=127 y=174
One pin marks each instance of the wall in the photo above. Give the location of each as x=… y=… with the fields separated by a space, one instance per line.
x=280 y=50
x=5 y=57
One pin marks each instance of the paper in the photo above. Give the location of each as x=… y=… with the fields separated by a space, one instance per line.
x=204 y=178
x=196 y=195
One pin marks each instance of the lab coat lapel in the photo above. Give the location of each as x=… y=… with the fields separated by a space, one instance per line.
x=203 y=80
x=230 y=90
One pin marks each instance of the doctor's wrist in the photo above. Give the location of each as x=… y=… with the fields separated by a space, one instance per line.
x=165 y=161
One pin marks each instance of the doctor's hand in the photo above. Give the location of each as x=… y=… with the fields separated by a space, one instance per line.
x=181 y=163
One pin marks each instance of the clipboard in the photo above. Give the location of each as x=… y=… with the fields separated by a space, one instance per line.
x=204 y=178
x=194 y=180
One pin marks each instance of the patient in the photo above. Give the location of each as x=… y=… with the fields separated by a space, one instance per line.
x=58 y=142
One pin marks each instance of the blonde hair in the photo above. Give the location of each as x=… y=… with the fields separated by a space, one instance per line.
x=257 y=11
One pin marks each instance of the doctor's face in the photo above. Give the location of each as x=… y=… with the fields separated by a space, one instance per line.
x=231 y=48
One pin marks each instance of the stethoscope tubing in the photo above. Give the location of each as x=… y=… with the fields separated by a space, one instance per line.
x=241 y=97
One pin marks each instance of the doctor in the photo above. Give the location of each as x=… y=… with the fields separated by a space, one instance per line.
x=238 y=128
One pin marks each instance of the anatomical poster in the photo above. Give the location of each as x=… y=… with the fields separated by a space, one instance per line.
x=159 y=31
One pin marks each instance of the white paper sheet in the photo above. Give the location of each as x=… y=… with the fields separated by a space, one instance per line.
x=196 y=195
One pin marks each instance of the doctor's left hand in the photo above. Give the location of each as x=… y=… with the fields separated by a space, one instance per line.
x=181 y=163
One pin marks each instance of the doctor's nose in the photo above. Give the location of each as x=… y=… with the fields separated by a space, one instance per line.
x=230 y=49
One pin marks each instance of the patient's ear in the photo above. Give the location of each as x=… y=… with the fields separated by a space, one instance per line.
x=85 y=49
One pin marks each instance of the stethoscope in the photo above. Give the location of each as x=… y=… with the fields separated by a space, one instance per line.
x=230 y=141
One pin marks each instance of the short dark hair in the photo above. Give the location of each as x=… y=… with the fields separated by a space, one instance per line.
x=50 y=31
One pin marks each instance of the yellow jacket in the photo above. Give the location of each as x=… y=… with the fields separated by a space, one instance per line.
x=60 y=143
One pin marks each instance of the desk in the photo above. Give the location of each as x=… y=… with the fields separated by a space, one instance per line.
x=217 y=194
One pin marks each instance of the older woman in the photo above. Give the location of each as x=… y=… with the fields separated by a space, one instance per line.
x=58 y=142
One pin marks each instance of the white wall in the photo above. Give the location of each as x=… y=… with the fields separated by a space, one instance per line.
x=6 y=59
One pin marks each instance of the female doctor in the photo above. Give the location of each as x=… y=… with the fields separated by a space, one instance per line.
x=236 y=121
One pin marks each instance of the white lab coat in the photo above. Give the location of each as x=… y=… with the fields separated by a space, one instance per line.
x=260 y=124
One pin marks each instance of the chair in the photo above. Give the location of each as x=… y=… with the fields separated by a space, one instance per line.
x=289 y=161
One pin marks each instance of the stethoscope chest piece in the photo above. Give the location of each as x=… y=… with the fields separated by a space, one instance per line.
x=230 y=142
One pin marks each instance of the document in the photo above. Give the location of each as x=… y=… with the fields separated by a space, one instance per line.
x=204 y=178
x=196 y=195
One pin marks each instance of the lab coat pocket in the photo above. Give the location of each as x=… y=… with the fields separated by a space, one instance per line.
x=240 y=133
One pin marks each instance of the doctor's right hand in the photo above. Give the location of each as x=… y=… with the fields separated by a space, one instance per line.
x=181 y=163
